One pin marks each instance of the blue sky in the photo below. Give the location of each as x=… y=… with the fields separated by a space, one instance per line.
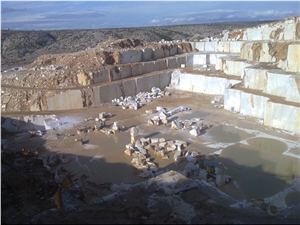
x=55 y=15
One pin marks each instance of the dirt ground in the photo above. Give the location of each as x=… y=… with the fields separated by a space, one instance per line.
x=32 y=193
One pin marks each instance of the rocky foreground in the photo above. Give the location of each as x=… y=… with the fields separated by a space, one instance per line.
x=31 y=194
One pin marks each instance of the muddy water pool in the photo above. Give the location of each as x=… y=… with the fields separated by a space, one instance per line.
x=259 y=164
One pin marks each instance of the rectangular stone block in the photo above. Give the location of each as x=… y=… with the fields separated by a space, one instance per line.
x=235 y=46
x=100 y=76
x=246 y=51
x=265 y=55
x=200 y=46
x=164 y=79
x=232 y=100
x=70 y=99
x=129 y=87
x=253 y=105
x=283 y=85
x=166 y=52
x=96 y=95
x=214 y=57
x=172 y=62
x=282 y=116
x=252 y=34
x=293 y=93
x=120 y=72
x=158 y=53
x=137 y=69
x=220 y=63
x=223 y=46
x=289 y=31
x=110 y=91
x=199 y=59
x=211 y=46
x=185 y=82
x=181 y=60
x=131 y=56
x=173 y=50
x=190 y=60
x=145 y=83
x=255 y=78
x=88 y=97
x=266 y=33
x=149 y=67
x=293 y=58
x=204 y=84
x=148 y=54
x=25 y=124
x=235 y=67
x=160 y=64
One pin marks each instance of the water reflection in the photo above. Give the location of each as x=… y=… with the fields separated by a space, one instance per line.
x=260 y=169
x=227 y=134
x=193 y=114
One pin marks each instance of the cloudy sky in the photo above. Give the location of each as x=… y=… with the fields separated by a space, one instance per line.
x=52 y=15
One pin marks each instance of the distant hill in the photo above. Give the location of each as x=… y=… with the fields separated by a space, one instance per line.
x=19 y=48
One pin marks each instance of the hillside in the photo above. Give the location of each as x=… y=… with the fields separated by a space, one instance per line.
x=19 y=48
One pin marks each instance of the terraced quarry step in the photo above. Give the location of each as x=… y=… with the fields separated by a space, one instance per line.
x=205 y=81
x=255 y=69
x=274 y=81
x=274 y=110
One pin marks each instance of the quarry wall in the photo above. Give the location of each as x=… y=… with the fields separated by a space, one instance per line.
x=257 y=70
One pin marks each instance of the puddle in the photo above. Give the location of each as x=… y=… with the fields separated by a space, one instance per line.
x=258 y=170
x=103 y=159
x=188 y=115
x=227 y=134
x=268 y=147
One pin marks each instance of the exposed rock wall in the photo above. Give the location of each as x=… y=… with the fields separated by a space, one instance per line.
x=284 y=30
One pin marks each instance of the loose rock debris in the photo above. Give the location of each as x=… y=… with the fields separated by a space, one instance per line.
x=193 y=126
x=141 y=150
x=142 y=98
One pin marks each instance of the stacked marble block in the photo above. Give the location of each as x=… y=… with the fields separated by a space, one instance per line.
x=135 y=62
x=266 y=58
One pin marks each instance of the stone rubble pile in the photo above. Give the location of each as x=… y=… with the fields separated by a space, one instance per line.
x=100 y=125
x=163 y=41
x=194 y=127
x=142 y=98
x=140 y=149
x=218 y=101
x=164 y=113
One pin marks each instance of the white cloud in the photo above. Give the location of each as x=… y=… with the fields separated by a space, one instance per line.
x=112 y=14
x=190 y=19
x=155 y=21
x=22 y=19
x=220 y=15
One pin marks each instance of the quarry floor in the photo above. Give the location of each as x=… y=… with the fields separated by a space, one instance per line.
x=100 y=159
